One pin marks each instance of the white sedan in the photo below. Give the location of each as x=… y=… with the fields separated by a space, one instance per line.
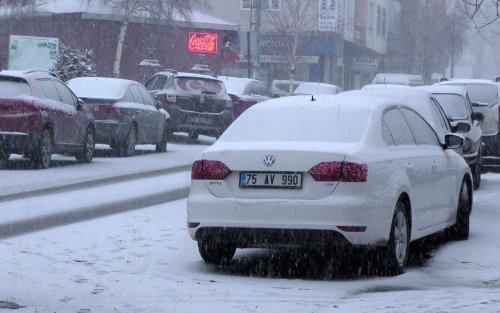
x=348 y=170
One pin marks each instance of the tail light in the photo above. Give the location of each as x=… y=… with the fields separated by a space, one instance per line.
x=209 y=170
x=108 y=109
x=170 y=97
x=18 y=106
x=339 y=171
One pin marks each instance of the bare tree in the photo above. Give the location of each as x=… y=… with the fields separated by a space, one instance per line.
x=292 y=21
x=164 y=11
x=21 y=7
x=482 y=12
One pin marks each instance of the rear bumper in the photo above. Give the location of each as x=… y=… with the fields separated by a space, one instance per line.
x=275 y=222
x=15 y=142
x=110 y=131
x=212 y=124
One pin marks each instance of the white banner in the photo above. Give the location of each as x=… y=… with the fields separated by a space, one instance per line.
x=28 y=52
x=328 y=13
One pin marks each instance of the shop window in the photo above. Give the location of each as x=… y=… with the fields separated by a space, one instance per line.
x=268 y=5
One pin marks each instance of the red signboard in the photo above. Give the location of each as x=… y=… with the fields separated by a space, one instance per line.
x=203 y=42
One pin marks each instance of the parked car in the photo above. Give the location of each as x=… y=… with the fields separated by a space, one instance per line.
x=347 y=171
x=197 y=103
x=484 y=97
x=245 y=92
x=455 y=103
x=308 y=88
x=398 y=79
x=126 y=114
x=39 y=116
x=281 y=87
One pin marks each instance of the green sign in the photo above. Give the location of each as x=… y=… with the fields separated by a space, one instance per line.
x=28 y=52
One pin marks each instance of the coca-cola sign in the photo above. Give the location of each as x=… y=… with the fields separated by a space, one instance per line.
x=203 y=42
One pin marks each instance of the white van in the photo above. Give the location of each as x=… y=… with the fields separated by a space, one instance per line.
x=398 y=79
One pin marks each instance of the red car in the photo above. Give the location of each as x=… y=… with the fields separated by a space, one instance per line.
x=40 y=115
x=245 y=92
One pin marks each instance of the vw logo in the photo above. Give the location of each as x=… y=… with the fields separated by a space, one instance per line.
x=202 y=99
x=269 y=160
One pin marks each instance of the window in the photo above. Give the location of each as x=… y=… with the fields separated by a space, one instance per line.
x=453 y=105
x=66 y=95
x=49 y=90
x=137 y=94
x=441 y=116
x=381 y=21
x=387 y=136
x=398 y=127
x=424 y=133
x=12 y=87
x=128 y=97
x=268 y=5
x=146 y=96
x=150 y=83
x=159 y=83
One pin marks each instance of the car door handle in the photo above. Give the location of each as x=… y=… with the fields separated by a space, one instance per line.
x=409 y=165
x=434 y=165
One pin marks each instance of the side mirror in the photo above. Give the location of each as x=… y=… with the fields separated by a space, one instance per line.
x=477 y=116
x=79 y=104
x=461 y=127
x=452 y=141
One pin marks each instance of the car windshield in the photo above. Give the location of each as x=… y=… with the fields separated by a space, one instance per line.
x=481 y=93
x=235 y=86
x=453 y=105
x=13 y=88
x=200 y=85
x=304 y=123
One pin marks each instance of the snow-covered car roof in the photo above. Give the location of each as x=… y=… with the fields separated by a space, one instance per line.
x=418 y=99
x=188 y=74
x=100 y=87
x=399 y=79
x=307 y=88
x=452 y=89
x=466 y=81
x=308 y=120
x=236 y=85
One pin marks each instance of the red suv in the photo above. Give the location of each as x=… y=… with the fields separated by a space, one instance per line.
x=40 y=115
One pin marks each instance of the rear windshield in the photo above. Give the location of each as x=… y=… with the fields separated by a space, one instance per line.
x=13 y=88
x=304 y=123
x=453 y=105
x=482 y=93
x=200 y=85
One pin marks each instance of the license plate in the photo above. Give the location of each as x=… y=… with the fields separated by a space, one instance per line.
x=270 y=180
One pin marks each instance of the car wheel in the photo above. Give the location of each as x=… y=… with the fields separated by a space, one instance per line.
x=193 y=135
x=162 y=145
x=128 y=147
x=216 y=252
x=477 y=173
x=397 y=249
x=87 y=153
x=42 y=154
x=460 y=231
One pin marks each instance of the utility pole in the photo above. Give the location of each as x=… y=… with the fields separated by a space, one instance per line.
x=258 y=14
x=249 y=50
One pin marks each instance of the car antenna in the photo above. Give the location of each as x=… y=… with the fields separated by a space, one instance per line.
x=312 y=98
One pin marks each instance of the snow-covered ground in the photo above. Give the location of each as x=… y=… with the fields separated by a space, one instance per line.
x=144 y=261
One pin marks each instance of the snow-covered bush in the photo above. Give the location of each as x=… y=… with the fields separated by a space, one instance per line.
x=73 y=63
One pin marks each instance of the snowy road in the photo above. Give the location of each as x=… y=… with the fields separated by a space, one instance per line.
x=144 y=261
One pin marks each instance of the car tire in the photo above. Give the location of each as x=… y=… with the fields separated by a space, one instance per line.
x=87 y=153
x=397 y=250
x=127 y=148
x=477 y=172
x=193 y=135
x=162 y=145
x=460 y=231
x=216 y=252
x=42 y=153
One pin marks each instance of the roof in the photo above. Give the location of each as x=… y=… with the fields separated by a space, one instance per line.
x=439 y=89
x=96 y=10
x=467 y=81
x=316 y=88
x=21 y=74
x=99 y=87
x=236 y=85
